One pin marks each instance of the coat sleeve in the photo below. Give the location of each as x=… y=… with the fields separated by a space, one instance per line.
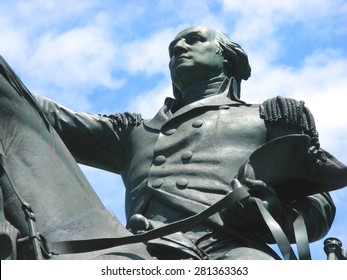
x=95 y=140
x=285 y=116
x=318 y=212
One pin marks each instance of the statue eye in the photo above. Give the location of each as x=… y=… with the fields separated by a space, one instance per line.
x=194 y=39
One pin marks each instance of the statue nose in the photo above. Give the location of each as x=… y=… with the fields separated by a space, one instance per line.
x=181 y=43
x=180 y=47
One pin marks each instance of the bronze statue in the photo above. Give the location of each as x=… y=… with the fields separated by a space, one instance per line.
x=201 y=146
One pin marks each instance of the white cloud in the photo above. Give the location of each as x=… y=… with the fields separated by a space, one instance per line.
x=68 y=66
x=14 y=42
x=149 y=102
x=183 y=14
x=148 y=55
x=48 y=13
x=265 y=24
x=78 y=56
x=280 y=10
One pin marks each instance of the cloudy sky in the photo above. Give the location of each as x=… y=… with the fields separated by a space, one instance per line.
x=111 y=56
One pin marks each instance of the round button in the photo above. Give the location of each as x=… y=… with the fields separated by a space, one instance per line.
x=187 y=155
x=157 y=183
x=169 y=131
x=181 y=183
x=197 y=123
x=159 y=160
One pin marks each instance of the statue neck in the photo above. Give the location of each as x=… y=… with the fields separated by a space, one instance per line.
x=205 y=89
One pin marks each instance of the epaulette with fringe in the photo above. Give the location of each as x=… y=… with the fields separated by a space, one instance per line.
x=125 y=119
x=289 y=112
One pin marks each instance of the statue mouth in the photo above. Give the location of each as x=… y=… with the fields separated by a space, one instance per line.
x=181 y=58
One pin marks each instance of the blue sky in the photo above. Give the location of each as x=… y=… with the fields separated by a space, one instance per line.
x=111 y=56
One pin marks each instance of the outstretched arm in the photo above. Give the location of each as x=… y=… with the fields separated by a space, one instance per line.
x=94 y=140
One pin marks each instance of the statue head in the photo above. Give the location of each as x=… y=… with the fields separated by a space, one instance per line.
x=198 y=54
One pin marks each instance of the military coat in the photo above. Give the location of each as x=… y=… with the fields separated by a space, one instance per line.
x=184 y=159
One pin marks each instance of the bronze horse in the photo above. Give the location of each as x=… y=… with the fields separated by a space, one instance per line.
x=43 y=189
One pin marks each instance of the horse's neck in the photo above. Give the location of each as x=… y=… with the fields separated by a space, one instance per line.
x=43 y=172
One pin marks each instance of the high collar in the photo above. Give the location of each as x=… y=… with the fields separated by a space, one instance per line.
x=173 y=108
x=205 y=89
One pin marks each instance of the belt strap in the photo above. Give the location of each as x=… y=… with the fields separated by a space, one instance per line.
x=81 y=246
x=29 y=215
x=238 y=193
x=301 y=236
x=277 y=232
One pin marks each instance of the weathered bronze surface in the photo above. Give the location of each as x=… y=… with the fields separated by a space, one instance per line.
x=178 y=164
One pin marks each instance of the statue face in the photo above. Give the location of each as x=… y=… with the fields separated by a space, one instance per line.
x=194 y=57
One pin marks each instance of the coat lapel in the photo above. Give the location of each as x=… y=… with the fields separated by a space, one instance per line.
x=162 y=116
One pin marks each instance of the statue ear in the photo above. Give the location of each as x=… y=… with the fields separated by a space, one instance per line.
x=227 y=67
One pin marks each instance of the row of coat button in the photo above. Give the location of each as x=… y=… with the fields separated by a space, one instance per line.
x=160 y=160
x=186 y=156
x=196 y=124
x=180 y=183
